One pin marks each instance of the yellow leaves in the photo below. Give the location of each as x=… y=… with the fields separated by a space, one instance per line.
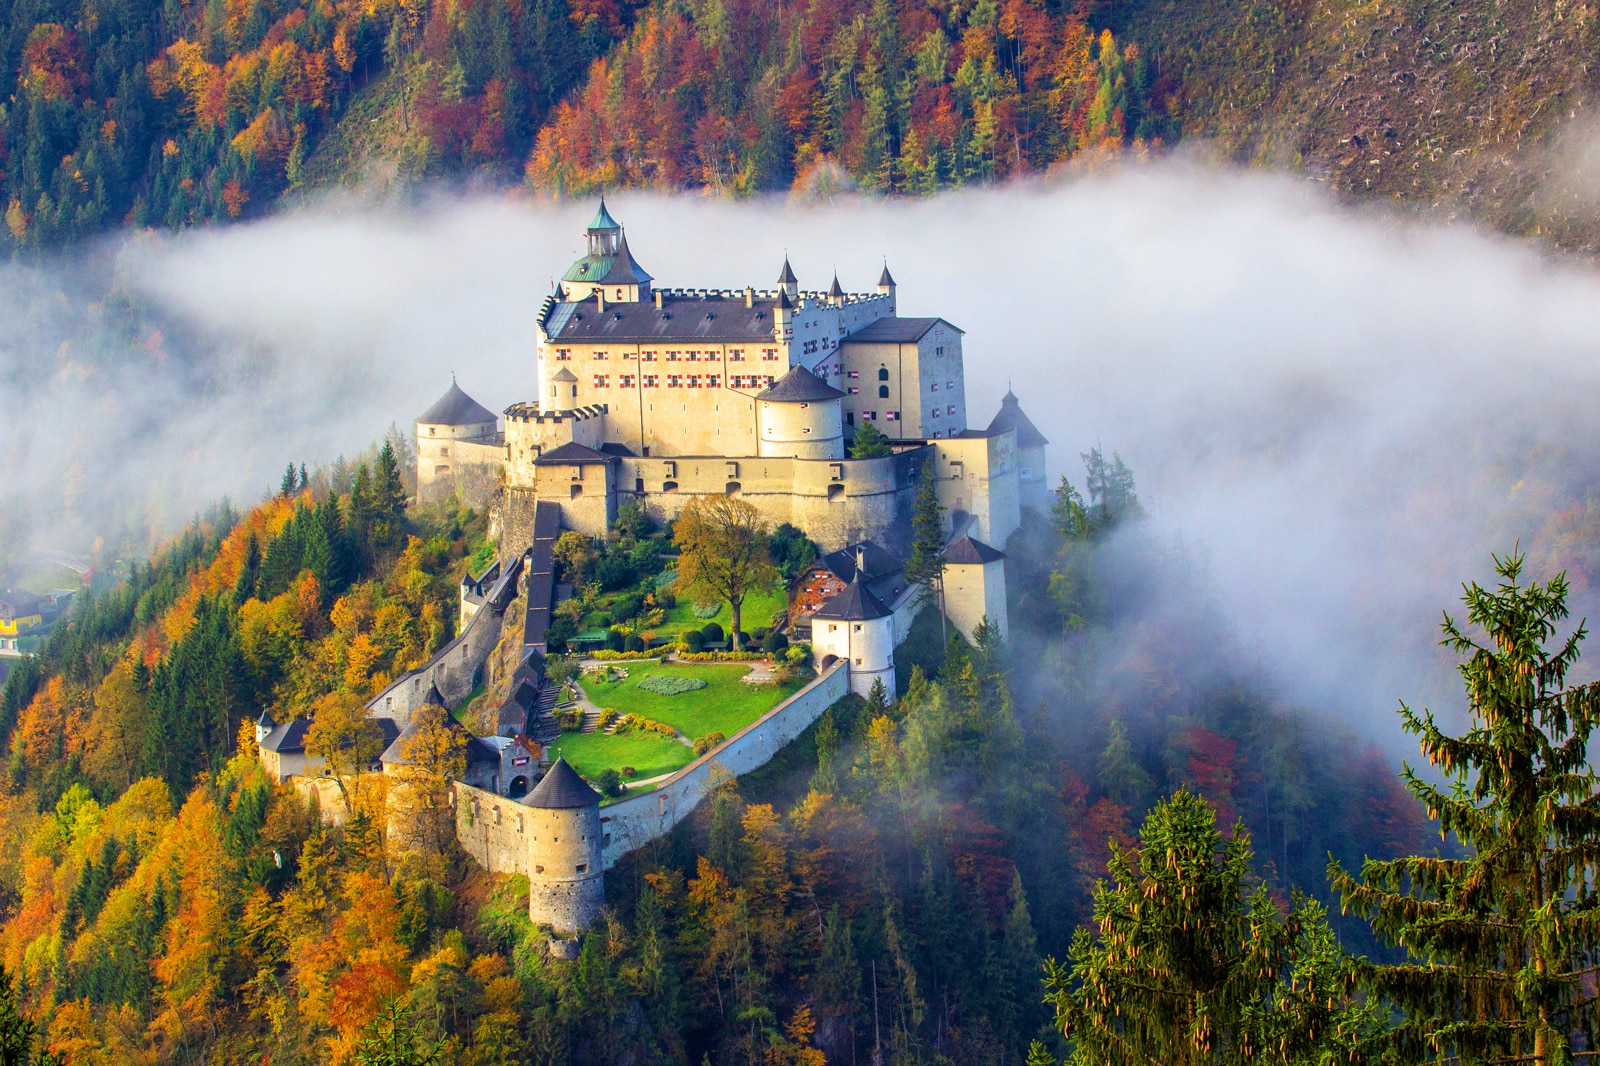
x=17 y=220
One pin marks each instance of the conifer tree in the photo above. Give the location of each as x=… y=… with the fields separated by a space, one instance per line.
x=1506 y=939
x=870 y=443
x=290 y=479
x=925 y=566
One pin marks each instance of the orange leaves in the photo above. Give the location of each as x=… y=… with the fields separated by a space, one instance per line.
x=52 y=725
x=52 y=62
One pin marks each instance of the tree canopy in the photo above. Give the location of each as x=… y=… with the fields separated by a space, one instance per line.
x=724 y=552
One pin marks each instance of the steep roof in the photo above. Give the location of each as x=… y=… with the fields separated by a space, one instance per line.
x=784 y=303
x=395 y=753
x=787 y=277
x=563 y=374
x=561 y=788
x=834 y=290
x=571 y=452
x=799 y=385
x=967 y=551
x=602 y=218
x=679 y=318
x=896 y=330
x=434 y=696
x=18 y=603
x=1012 y=418
x=855 y=604
x=624 y=269
x=456 y=408
x=886 y=278
x=288 y=738
x=876 y=561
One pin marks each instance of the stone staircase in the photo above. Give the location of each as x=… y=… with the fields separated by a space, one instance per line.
x=542 y=724
x=591 y=722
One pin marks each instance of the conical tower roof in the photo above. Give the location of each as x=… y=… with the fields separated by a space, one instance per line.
x=456 y=408
x=855 y=603
x=799 y=385
x=625 y=270
x=886 y=278
x=1011 y=417
x=562 y=788
x=787 y=277
x=834 y=290
x=602 y=218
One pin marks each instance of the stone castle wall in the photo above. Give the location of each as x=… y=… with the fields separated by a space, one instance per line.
x=635 y=822
x=499 y=832
x=455 y=669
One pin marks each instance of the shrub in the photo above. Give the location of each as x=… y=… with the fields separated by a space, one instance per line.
x=627 y=605
x=704 y=610
x=666 y=598
x=610 y=782
x=774 y=641
x=694 y=640
x=571 y=718
x=633 y=643
x=628 y=771
x=616 y=640
x=709 y=742
x=649 y=725
x=670 y=684
x=712 y=632
x=798 y=654
x=607 y=716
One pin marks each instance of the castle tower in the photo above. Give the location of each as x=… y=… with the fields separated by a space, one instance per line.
x=800 y=417
x=1033 y=486
x=608 y=272
x=788 y=284
x=974 y=585
x=563 y=392
x=454 y=417
x=855 y=626
x=835 y=293
x=886 y=286
x=566 y=888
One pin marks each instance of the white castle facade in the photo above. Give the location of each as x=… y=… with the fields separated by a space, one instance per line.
x=660 y=395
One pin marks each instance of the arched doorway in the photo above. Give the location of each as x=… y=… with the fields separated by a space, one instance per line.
x=518 y=787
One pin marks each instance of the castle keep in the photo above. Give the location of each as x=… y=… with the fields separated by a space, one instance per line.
x=658 y=396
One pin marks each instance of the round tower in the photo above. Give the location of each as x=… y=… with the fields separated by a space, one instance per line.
x=454 y=417
x=854 y=625
x=566 y=888
x=800 y=416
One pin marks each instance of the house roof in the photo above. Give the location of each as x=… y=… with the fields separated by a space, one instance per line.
x=288 y=738
x=1012 y=418
x=456 y=408
x=679 y=318
x=876 y=560
x=895 y=330
x=434 y=696
x=834 y=289
x=968 y=551
x=855 y=604
x=18 y=603
x=625 y=269
x=395 y=752
x=799 y=385
x=571 y=452
x=561 y=788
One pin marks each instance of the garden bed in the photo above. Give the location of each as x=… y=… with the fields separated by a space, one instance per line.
x=726 y=705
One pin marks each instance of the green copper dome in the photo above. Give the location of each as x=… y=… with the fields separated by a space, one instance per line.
x=603 y=219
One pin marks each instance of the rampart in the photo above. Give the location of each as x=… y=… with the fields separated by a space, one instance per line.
x=497 y=831
x=455 y=669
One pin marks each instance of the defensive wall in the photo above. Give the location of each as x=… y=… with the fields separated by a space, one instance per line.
x=497 y=831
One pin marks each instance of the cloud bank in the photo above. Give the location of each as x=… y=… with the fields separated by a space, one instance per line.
x=1342 y=413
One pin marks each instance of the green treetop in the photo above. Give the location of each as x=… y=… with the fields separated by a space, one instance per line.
x=870 y=443
x=1506 y=938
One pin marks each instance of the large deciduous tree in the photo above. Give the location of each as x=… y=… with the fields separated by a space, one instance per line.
x=1506 y=938
x=431 y=757
x=344 y=737
x=723 y=545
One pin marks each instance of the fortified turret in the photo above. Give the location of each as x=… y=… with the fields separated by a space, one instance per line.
x=855 y=626
x=800 y=417
x=566 y=888
x=445 y=432
x=1033 y=487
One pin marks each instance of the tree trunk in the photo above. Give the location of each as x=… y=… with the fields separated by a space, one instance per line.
x=734 y=604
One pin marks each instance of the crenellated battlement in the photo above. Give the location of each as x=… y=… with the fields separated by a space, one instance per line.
x=530 y=413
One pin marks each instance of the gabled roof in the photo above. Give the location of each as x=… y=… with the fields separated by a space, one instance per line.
x=1012 y=418
x=799 y=385
x=434 y=696
x=288 y=738
x=562 y=788
x=602 y=218
x=456 y=408
x=624 y=269
x=877 y=561
x=855 y=604
x=571 y=452
x=681 y=317
x=784 y=303
x=396 y=753
x=618 y=449
x=967 y=551
x=895 y=330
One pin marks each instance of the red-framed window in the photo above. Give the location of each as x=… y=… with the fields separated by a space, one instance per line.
x=651 y=381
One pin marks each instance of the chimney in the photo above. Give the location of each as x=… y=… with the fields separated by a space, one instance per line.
x=600 y=299
x=749 y=296
x=658 y=299
x=861 y=559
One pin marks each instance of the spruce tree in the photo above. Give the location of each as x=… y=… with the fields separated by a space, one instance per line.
x=925 y=566
x=1505 y=939
x=290 y=479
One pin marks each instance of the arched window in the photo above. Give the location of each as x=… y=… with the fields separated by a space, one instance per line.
x=883 y=391
x=883 y=373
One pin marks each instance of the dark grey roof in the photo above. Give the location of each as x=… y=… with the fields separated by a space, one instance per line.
x=834 y=289
x=895 y=330
x=288 y=738
x=614 y=448
x=966 y=551
x=571 y=452
x=855 y=604
x=679 y=318
x=394 y=753
x=456 y=408
x=434 y=696
x=15 y=603
x=787 y=277
x=563 y=374
x=799 y=385
x=266 y=721
x=877 y=561
x=625 y=270
x=560 y=788
x=885 y=278
x=1011 y=417
x=784 y=303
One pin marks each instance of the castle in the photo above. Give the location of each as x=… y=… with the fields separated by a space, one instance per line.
x=659 y=396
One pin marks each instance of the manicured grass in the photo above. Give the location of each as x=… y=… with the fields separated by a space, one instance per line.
x=757 y=612
x=648 y=753
x=726 y=705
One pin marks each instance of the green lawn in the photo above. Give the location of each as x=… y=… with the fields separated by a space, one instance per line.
x=759 y=607
x=726 y=705
x=648 y=753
